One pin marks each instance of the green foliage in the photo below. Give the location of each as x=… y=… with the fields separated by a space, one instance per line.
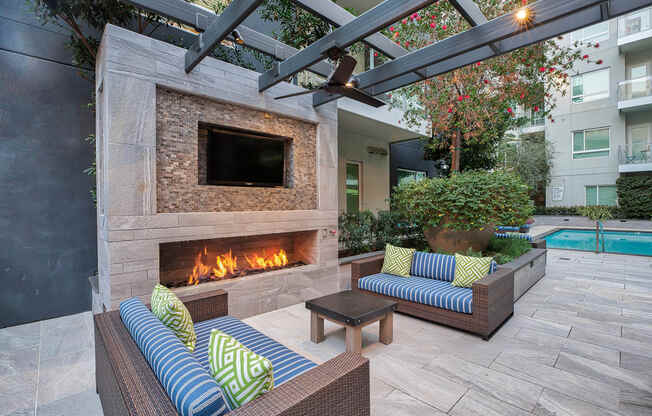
x=596 y=212
x=573 y=211
x=363 y=232
x=530 y=158
x=465 y=201
x=635 y=195
x=507 y=249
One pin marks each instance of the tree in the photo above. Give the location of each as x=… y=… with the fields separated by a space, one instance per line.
x=598 y=214
x=530 y=158
x=476 y=105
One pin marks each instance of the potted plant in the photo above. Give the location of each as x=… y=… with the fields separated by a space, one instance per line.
x=461 y=212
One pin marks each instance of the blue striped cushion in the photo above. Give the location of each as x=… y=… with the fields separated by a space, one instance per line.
x=437 y=266
x=433 y=266
x=433 y=292
x=190 y=387
x=507 y=228
x=286 y=364
x=521 y=236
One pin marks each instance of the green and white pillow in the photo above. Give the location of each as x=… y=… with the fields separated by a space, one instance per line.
x=398 y=260
x=242 y=374
x=167 y=307
x=470 y=269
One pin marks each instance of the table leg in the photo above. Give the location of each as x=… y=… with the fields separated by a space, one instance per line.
x=387 y=328
x=354 y=339
x=316 y=328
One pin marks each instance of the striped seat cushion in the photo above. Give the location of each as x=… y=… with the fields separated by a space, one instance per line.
x=427 y=291
x=437 y=266
x=286 y=364
x=188 y=385
x=520 y=236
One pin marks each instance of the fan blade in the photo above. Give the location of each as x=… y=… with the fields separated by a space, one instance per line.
x=361 y=96
x=344 y=70
x=296 y=94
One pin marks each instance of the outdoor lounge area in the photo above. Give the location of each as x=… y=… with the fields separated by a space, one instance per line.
x=252 y=244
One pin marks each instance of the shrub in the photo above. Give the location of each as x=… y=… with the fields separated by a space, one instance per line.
x=635 y=196
x=507 y=249
x=465 y=201
x=616 y=212
x=364 y=232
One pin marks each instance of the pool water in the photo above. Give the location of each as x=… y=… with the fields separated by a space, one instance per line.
x=622 y=242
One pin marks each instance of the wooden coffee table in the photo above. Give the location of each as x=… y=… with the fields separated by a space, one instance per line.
x=354 y=311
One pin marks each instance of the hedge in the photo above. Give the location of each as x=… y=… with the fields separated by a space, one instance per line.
x=574 y=211
x=635 y=196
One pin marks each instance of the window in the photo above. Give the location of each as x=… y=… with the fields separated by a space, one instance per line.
x=407 y=175
x=635 y=22
x=601 y=195
x=595 y=33
x=638 y=71
x=639 y=88
x=353 y=174
x=591 y=143
x=591 y=86
x=639 y=141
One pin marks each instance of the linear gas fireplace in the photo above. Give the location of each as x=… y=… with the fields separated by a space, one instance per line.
x=190 y=263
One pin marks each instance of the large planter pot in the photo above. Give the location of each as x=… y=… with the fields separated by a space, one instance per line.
x=440 y=238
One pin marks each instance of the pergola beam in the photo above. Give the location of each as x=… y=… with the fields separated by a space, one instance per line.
x=364 y=25
x=550 y=18
x=219 y=28
x=472 y=14
x=339 y=16
x=200 y=18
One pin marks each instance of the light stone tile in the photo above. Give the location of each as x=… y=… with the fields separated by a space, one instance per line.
x=583 y=323
x=86 y=403
x=612 y=342
x=18 y=377
x=65 y=335
x=548 y=327
x=400 y=403
x=475 y=403
x=19 y=337
x=636 y=363
x=506 y=388
x=577 y=386
x=65 y=376
x=423 y=385
x=557 y=404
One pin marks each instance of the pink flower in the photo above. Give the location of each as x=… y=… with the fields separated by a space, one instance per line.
x=486 y=81
x=597 y=45
x=460 y=98
x=450 y=109
x=585 y=57
x=599 y=62
x=375 y=54
x=509 y=110
x=444 y=27
x=551 y=69
x=404 y=21
x=391 y=28
x=432 y=25
x=407 y=44
x=467 y=97
x=536 y=108
x=542 y=69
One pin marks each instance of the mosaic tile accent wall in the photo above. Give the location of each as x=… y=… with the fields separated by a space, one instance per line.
x=178 y=116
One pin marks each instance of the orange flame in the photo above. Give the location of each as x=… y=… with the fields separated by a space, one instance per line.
x=226 y=265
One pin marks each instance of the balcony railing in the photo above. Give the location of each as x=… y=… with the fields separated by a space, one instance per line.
x=632 y=154
x=634 y=23
x=635 y=88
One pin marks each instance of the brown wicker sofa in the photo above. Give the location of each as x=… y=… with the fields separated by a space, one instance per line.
x=492 y=302
x=127 y=385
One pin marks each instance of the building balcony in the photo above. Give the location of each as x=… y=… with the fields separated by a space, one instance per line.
x=635 y=158
x=635 y=31
x=533 y=125
x=635 y=95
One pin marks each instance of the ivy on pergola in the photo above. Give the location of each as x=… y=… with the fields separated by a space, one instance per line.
x=545 y=19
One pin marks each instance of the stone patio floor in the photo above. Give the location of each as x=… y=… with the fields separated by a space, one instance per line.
x=580 y=343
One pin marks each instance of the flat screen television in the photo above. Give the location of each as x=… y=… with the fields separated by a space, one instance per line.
x=244 y=158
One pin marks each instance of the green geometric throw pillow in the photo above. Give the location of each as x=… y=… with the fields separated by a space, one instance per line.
x=470 y=269
x=243 y=374
x=167 y=307
x=398 y=260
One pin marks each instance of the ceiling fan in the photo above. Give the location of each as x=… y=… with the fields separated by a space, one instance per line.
x=339 y=82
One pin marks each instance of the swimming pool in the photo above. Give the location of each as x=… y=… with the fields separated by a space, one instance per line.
x=622 y=242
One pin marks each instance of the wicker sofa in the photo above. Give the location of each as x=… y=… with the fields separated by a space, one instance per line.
x=127 y=385
x=428 y=293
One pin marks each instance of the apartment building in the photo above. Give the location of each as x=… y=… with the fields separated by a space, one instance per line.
x=602 y=125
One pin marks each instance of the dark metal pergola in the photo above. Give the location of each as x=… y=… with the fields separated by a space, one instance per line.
x=485 y=39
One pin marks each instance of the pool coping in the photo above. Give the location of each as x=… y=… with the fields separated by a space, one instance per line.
x=580 y=228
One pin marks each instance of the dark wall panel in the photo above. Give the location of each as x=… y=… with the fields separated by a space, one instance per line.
x=47 y=220
x=408 y=154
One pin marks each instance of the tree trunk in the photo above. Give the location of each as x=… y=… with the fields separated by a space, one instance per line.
x=455 y=156
x=597 y=237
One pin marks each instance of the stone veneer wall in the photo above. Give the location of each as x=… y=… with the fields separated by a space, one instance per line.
x=178 y=117
x=131 y=70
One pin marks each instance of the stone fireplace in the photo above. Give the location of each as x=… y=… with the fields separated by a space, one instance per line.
x=269 y=245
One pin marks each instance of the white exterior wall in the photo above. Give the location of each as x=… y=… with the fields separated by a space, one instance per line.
x=575 y=174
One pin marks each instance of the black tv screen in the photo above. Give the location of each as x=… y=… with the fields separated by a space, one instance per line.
x=240 y=158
